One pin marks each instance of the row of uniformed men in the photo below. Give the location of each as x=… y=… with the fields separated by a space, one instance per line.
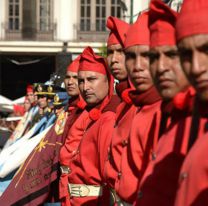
x=150 y=148
x=146 y=151
x=143 y=145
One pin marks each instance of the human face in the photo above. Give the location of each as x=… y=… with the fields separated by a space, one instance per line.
x=194 y=60
x=166 y=71
x=42 y=101
x=116 y=61
x=31 y=97
x=71 y=84
x=27 y=104
x=93 y=86
x=58 y=110
x=137 y=64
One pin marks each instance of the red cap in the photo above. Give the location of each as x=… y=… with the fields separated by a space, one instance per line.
x=193 y=19
x=138 y=33
x=89 y=61
x=29 y=88
x=162 y=20
x=118 y=29
x=74 y=66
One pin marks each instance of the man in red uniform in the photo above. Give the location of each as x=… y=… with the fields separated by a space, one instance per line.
x=147 y=101
x=30 y=94
x=115 y=43
x=126 y=110
x=192 y=37
x=96 y=87
x=159 y=182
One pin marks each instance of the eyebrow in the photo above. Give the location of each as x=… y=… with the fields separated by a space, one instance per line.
x=175 y=51
x=203 y=46
x=117 y=49
x=71 y=75
x=91 y=76
x=129 y=52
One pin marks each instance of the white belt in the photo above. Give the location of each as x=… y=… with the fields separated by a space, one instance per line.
x=81 y=190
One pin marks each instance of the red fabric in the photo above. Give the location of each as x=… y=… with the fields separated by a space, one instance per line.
x=162 y=21
x=145 y=98
x=125 y=96
x=89 y=61
x=122 y=90
x=138 y=33
x=29 y=89
x=124 y=113
x=74 y=66
x=181 y=100
x=88 y=161
x=72 y=140
x=136 y=153
x=193 y=184
x=118 y=29
x=192 y=19
x=86 y=165
x=18 y=110
x=124 y=116
x=70 y=147
x=159 y=182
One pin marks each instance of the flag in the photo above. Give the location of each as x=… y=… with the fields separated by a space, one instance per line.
x=32 y=183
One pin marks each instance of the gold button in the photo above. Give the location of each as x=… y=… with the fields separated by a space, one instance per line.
x=125 y=142
x=183 y=175
x=154 y=155
x=119 y=175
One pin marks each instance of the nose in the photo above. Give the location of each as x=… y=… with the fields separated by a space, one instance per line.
x=70 y=81
x=197 y=63
x=138 y=64
x=85 y=86
x=162 y=65
x=114 y=57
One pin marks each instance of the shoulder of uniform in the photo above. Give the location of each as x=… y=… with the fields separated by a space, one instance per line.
x=113 y=104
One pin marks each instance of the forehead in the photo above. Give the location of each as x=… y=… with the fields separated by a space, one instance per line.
x=87 y=74
x=193 y=41
x=114 y=47
x=30 y=93
x=164 y=48
x=69 y=73
x=137 y=48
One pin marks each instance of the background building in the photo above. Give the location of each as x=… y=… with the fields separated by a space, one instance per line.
x=39 y=37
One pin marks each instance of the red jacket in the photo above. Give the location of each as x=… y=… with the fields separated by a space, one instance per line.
x=87 y=164
x=159 y=182
x=193 y=178
x=125 y=113
x=144 y=131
